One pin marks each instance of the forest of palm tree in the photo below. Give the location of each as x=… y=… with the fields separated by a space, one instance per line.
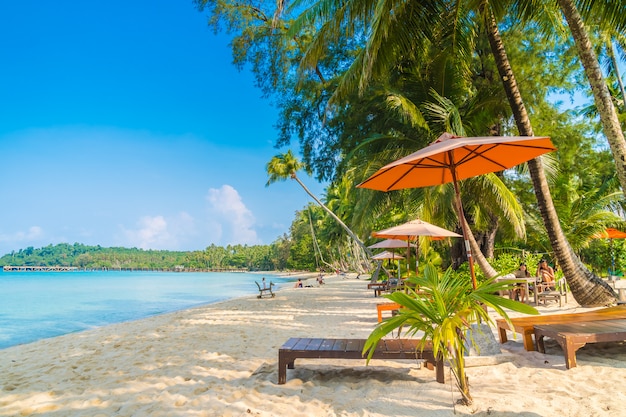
x=360 y=84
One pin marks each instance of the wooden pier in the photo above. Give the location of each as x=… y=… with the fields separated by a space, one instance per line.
x=9 y=268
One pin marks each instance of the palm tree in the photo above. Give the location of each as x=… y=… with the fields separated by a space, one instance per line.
x=443 y=313
x=401 y=29
x=586 y=287
x=609 y=40
x=585 y=212
x=283 y=166
x=602 y=96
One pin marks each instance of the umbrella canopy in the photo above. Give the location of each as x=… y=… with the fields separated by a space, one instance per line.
x=451 y=158
x=610 y=233
x=389 y=255
x=386 y=255
x=412 y=230
x=390 y=243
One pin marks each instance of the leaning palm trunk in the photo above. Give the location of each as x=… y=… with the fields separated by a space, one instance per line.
x=333 y=215
x=479 y=258
x=358 y=260
x=602 y=96
x=587 y=288
x=611 y=53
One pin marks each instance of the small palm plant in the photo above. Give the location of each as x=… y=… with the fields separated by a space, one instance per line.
x=444 y=310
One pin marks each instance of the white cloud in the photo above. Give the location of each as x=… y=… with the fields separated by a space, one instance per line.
x=231 y=221
x=33 y=233
x=157 y=232
x=21 y=239
x=151 y=234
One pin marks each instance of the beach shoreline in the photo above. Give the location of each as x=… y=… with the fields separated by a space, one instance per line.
x=221 y=360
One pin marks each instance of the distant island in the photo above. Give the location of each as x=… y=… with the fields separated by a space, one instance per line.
x=213 y=258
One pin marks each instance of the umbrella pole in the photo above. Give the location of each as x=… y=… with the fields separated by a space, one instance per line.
x=417 y=255
x=393 y=258
x=408 y=255
x=459 y=208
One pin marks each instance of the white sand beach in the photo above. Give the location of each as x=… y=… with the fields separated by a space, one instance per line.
x=221 y=360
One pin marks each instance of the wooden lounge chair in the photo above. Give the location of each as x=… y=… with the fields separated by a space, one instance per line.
x=265 y=291
x=394 y=285
x=379 y=287
x=309 y=348
x=526 y=325
x=573 y=336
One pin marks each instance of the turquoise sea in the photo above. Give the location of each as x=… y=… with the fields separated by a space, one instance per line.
x=38 y=305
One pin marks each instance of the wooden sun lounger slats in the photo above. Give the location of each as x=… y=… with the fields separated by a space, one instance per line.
x=327 y=344
x=526 y=325
x=573 y=336
x=307 y=344
x=393 y=345
x=308 y=348
x=355 y=344
x=340 y=344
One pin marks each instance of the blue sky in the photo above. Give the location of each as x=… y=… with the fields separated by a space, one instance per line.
x=124 y=123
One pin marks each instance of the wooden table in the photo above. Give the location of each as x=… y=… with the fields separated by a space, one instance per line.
x=525 y=284
x=573 y=336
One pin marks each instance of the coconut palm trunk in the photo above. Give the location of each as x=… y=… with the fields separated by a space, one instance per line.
x=458 y=370
x=611 y=53
x=587 y=288
x=602 y=97
x=479 y=258
x=285 y=166
x=333 y=215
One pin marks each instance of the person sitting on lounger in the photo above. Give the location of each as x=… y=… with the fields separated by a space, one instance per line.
x=546 y=273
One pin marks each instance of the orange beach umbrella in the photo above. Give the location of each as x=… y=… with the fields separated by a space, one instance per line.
x=412 y=230
x=390 y=243
x=452 y=158
x=388 y=255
